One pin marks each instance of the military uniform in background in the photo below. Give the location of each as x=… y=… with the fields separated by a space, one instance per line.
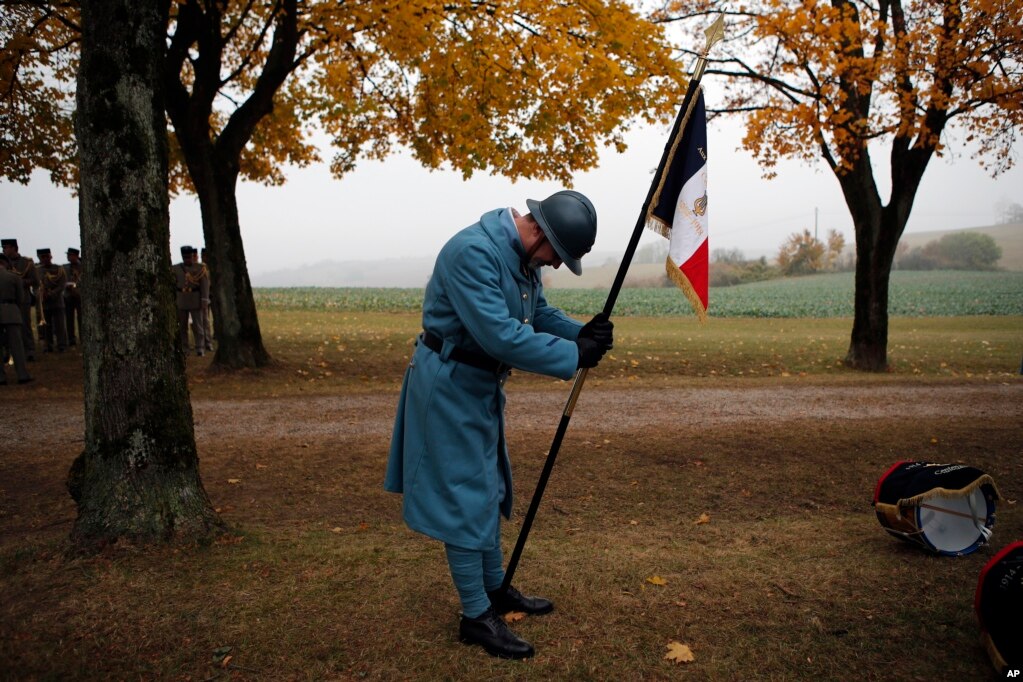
x=207 y=323
x=52 y=282
x=193 y=286
x=12 y=293
x=73 y=297
x=25 y=269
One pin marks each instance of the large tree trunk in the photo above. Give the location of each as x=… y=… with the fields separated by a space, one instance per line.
x=138 y=476
x=878 y=230
x=236 y=325
x=868 y=347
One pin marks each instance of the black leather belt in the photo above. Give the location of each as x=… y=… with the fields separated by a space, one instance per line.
x=467 y=357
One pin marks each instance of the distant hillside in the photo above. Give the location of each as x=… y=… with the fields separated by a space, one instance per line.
x=391 y=272
x=603 y=276
x=1009 y=237
x=599 y=268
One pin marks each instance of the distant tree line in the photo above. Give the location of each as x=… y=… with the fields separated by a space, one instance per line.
x=1010 y=213
x=956 y=251
x=804 y=254
x=801 y=254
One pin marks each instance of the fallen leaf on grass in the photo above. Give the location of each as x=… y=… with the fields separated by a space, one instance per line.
x=704 y=518
x=679 y=653
x=336 y=529
x=234 y=481
x=227 y=661
x=656 y=580
x=513 y=616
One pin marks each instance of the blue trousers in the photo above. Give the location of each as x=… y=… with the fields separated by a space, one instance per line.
x=476 y=572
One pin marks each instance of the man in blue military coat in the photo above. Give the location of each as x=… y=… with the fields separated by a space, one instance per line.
x=484 y=313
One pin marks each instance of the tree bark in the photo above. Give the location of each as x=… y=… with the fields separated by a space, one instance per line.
x=138 y=477
x=878 y=231
x=868 y=345
x=236 y=324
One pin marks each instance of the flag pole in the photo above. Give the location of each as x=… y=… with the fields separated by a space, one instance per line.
x=714 y=33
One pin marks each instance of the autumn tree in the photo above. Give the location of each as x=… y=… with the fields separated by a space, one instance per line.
x=526 y=88
x=801 y=254
x=137 y=477
x=851 y=82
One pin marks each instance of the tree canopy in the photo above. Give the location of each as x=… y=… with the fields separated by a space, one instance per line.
x=525 y=89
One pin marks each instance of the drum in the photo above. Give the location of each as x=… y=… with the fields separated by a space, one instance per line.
x=999 y=606
x=948 y=509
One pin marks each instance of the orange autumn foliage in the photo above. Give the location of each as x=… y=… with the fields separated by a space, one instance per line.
x=824 y=79
x=525 y=89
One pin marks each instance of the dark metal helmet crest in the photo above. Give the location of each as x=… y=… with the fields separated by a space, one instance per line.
x=569 y=222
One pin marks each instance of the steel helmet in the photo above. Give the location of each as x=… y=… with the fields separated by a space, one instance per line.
x=569 y=222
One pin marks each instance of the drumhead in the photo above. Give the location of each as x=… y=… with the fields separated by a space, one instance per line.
x=949 y=525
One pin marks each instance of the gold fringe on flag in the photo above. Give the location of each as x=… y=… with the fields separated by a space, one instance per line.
x=653 y=222
x=682 y=282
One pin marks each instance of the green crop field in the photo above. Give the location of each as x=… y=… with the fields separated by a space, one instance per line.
x=913 y=294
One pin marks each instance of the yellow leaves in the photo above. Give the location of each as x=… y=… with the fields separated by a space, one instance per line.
x=656 y=580
x=527 y=88
x=234 y=481
x=679 y=653
x=513 y=617
x=704 y=518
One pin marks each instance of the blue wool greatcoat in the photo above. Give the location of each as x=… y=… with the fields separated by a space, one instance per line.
x=448 y=454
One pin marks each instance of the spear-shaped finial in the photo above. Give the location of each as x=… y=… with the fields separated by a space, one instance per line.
x=715 y=33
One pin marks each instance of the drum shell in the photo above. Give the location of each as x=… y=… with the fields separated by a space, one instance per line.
x=909 y=488
x=998 y=603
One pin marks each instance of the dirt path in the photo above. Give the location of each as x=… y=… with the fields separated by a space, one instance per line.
x=619 y=410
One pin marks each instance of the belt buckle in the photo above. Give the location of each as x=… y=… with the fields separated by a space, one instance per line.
x=503 y=371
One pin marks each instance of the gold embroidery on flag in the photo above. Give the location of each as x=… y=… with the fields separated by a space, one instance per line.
x=700 y=207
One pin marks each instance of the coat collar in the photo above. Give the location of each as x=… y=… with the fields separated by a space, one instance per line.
x=495 y=225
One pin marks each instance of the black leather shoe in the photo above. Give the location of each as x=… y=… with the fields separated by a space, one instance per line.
x=505 y=601
x=491 y=632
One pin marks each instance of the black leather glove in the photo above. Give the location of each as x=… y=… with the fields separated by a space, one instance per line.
x=600 y=329
x=590 y=352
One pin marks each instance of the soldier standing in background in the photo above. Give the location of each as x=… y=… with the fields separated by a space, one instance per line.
x=207 y=323
x=52 y=283
x=193 y=285
x=25 y=269
x=73 y=296
x=12 y=295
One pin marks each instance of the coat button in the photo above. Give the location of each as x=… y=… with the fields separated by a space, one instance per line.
x=526 y=321
x=525 y=296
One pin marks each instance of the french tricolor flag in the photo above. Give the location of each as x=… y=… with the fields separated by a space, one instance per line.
x=678 y=209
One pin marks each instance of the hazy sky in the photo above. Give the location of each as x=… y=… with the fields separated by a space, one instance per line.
x=395 y=208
